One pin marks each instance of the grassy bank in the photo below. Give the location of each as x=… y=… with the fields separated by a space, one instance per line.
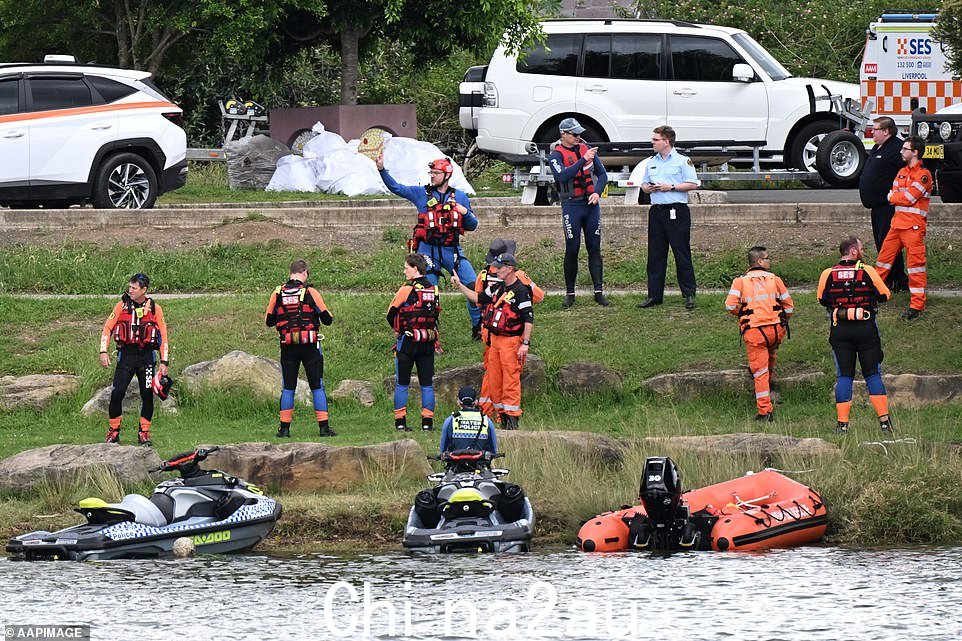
x=371 y=264
x=908 y=496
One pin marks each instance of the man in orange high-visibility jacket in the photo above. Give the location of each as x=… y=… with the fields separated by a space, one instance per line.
x=910 y=194
x=509 y=320
x=763 y=306
x=490 y=400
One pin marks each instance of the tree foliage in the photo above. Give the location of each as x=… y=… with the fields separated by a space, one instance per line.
x=949 y=31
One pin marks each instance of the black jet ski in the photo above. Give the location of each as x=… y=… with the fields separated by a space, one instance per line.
x=219 y=513
x=471 y=509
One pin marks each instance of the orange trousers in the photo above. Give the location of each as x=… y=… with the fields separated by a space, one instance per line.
x=761 y=344
x=503 y=374
x=913 y=240
x=489 y=401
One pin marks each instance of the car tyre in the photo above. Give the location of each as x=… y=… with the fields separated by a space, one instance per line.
x=804 y=149
x=840 y=158
x=125 y=181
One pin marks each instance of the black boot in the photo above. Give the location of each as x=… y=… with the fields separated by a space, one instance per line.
x=401 y=425
x=284 y=431
x=600 y=299
x=842 y=427
x=476 y=332
x=427 y=424
x=885 y=424
x=509 y=422
x=568 y=301
x=325 y=428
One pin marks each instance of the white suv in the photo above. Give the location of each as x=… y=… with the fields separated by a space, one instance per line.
x=623 y=78
x=74 y=133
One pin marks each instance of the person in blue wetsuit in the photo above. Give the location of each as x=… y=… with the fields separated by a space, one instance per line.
x=444 y=214
x=581 y=180
x=468 y=428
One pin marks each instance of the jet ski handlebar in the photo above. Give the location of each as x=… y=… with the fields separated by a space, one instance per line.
x=186 y=462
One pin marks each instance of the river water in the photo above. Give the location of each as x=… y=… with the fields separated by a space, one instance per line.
x=806 y=594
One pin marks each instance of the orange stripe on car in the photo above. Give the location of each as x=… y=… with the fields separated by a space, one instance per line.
x=79 y=111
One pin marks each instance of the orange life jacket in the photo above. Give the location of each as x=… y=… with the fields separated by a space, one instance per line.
x=582 y=185
x=419 y=315
x=850 y=292
x=137 y=325
x=502 y=318
x=761 y=302
x=297 y=319
x=440 y=224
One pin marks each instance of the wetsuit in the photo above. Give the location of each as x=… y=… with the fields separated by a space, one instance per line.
x=414 y=315
x=302 y=348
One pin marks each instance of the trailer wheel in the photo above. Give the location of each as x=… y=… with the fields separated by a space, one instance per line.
x=840 y=158
x=804 y=147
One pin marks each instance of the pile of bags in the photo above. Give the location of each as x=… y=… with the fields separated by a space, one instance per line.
x=333 y=166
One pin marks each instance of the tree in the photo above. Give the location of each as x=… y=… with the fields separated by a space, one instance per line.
x=948 y=30
x=432 y=28
x=141 y=34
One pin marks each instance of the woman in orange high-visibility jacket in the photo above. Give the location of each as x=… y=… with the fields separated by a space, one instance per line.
x=763 y=306
x=910 y=194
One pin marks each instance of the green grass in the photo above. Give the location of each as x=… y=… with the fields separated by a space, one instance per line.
x=85 y=268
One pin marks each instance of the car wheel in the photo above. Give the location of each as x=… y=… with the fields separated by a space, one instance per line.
x=803 y=151
x=840 y=158
x=590 y=136
x=125 y=181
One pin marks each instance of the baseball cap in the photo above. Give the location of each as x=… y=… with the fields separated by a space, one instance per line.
x=499 y=246
x=467 y=396
x=572 y=125
x=505 y=260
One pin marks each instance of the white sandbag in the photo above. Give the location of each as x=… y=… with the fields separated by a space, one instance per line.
x=294 y=173
x=346 y=172
x=407 y=159
x=324 y=142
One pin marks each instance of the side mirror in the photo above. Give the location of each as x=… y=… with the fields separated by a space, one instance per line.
x=742 y=73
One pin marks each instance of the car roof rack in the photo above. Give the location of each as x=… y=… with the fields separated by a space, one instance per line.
x=677 y=23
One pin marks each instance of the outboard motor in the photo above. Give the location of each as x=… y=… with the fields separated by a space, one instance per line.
x=660 y=490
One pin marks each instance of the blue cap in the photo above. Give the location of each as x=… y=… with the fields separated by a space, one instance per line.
x=572 y=125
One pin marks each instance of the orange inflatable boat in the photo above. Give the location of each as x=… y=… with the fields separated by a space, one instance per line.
x=756 y=512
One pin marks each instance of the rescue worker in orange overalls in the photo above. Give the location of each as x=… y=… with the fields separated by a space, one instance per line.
x=297 y=310
x=852 y=291
x=763 y=306
x=509 y=319
x=492 y=405
x=137 y=325
x=910 y=194
x=414 y=316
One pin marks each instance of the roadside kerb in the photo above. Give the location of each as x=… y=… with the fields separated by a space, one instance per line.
x=380 y=214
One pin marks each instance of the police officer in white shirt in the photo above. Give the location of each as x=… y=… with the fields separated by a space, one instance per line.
x=669 y=177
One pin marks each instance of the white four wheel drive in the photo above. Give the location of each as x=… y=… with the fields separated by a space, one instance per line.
x=622 y=78
x=73 y=133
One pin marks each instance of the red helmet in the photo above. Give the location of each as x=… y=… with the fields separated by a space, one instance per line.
x=442 y=164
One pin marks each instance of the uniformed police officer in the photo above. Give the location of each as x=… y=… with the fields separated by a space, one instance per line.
x=581 y=179
x=669 y=177
x=468 y=428
x=881 y=167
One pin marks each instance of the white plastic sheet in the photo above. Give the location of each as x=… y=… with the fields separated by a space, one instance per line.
x=333 y=166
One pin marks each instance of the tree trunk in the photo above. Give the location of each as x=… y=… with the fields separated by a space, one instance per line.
x=350 y=44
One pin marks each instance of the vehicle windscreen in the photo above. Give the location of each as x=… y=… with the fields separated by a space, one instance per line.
x=771 y=66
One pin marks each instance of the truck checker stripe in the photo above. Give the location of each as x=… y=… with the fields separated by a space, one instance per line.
x=895 y=96
x=77 y=111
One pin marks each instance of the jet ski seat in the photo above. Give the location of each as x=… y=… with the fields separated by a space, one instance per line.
x=143 y=510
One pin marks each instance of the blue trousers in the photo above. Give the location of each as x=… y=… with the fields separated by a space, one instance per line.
x=451 y=259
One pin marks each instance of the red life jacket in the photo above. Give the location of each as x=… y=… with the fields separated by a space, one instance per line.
x=419 y=315
x=582 y=185
x=440 y=224
x=848 y=287
x=137 y=325
x=297 y=320
x=501 y=318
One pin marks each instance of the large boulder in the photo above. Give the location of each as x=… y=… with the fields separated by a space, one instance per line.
x=71 y=463
x=914 y=390
x=766 y=445
x=301 y=467
x=35 y=390
x=243 y=373
x=687 y=385
x=534 y=380
x=588 y=446
x=348 y=390
x=99 y=403
x=585 y=378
